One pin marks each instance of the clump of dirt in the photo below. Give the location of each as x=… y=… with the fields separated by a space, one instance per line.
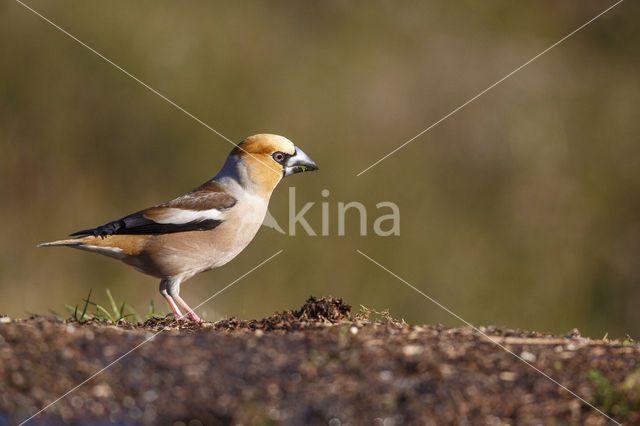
x=325 y=309
x=314 y=365
x=316 y=312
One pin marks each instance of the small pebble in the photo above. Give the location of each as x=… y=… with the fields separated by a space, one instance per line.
x=386 y=375
x=528 y=356
x=150 y=395
x=508 y=376
x=101 y=391
x=412 y=350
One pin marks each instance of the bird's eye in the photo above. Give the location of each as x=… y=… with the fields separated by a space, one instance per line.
x=279 y=156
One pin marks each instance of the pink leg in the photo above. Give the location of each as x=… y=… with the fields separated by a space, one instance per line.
x=176 y=311
x=190 y=312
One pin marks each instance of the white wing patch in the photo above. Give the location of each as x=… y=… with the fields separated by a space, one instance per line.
x=180 y=216
x=115 y=252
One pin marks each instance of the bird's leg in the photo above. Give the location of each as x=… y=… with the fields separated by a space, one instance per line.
x=176 y=311
x=190 y=312
x=173 y=289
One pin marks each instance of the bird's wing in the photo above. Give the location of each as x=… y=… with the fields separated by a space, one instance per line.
x=199 y=210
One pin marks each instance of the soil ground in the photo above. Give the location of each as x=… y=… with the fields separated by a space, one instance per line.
x=317 y=365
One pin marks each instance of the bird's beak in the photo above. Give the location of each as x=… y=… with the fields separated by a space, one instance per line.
x=299 y=162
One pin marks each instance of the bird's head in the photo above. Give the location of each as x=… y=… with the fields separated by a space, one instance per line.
x=268 y=158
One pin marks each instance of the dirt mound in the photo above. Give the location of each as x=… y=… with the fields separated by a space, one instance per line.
x=325 y=309
x=317 y=311
x=315 y=365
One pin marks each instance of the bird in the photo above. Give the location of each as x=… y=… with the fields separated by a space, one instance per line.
x=204 y=228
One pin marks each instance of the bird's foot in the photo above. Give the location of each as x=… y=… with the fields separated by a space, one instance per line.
x=180 y=318
x=189 y=317
x=189 y=312
x=193 y=317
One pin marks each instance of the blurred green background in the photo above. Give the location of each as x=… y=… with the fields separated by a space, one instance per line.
x=521 y=210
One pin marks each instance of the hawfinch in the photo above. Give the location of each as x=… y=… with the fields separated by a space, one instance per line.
x=202 y=229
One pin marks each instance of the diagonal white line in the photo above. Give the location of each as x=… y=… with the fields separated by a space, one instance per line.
x=145 y=85
x=490 y=87
x=487 y=336
x=143 y=342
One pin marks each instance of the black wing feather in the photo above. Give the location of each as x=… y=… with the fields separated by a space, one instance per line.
x=137 y=224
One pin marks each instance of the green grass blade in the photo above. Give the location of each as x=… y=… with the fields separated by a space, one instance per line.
x=151 y=313
x=133 y=312
x=56 y=314
x=105 y=312
x=112 y=301
x=84 y=311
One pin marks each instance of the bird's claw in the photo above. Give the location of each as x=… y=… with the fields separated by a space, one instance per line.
x=188 y=317
x=195 y=318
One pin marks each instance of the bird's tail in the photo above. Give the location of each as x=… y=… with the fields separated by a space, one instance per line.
x=69 y=242
x=109 y=246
